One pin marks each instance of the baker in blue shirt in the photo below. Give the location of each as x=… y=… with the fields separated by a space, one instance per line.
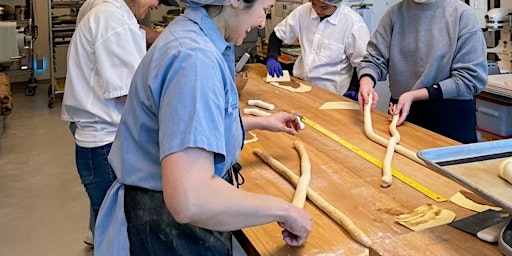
x=180 y=134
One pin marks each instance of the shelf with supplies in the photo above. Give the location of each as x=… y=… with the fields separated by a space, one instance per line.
x=62 y=25
x=18 y=33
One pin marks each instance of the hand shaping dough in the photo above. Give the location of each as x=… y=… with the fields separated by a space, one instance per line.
x=334 y=213
x=505 y=170
x=368 y=129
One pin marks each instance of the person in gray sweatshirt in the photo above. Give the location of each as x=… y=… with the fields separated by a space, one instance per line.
x=435 y=55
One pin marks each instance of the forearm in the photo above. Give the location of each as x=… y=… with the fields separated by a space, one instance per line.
x=233 y=209
x=253 y=123
x=274 y=45
x=194 y=195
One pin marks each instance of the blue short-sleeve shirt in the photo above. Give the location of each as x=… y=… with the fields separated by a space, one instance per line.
x=182 y=95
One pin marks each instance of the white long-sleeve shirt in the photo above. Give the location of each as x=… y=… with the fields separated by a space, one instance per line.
x=330 y=49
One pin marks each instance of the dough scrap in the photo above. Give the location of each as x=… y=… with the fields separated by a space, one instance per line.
x=425 y=216
x=253 y=138
x=301 y=88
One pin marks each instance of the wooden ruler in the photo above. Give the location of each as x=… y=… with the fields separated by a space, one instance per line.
x=397 y=174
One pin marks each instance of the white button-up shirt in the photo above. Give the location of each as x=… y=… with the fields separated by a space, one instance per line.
x=329 y=49
x=104 y=53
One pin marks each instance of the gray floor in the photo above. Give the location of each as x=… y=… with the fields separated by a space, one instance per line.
x=43 y=206
x=44 y=209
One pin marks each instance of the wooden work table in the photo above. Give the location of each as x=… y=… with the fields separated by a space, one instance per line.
x=348 y=182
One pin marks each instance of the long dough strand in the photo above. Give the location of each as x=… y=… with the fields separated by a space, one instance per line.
x=299 y=198
x=334 y=213
x=387 y=177
x=368 y=129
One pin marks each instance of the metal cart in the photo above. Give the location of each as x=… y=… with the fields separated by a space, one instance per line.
x=62 y=23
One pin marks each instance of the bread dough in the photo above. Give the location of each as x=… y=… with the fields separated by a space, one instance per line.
x=387 y=177
x=462 y=201
x=368 y=129
x=505 y=170
x=299 y=198
x=253 y=138
x=301 y=88
x=330 y=210
x=425 y=216
x=256 y=112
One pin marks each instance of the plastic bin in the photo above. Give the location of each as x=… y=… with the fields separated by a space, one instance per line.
x=494 y=116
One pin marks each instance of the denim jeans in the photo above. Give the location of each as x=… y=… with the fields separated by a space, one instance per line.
x=96 y=175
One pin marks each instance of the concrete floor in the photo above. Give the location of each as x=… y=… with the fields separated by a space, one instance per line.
x=43 y=207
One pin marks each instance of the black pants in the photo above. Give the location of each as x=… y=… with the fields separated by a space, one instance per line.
x=153 y=231
x=455 y=119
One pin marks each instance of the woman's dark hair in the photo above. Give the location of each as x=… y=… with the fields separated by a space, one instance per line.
x=214 y=10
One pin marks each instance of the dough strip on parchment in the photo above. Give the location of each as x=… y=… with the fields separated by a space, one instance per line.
x=321 y=203
x=368 y=129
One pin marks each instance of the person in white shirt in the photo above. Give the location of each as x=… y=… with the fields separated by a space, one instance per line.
x=104 y=52
x=333 y=41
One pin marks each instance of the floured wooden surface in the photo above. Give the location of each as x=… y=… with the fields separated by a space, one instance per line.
x=346 y=180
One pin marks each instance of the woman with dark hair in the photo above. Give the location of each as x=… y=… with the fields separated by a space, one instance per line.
x=179 y=139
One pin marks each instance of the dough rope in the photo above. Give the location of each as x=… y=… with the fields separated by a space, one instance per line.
x=261 y=104
x=387 y=177
x=299 y=198
x=368 y=129
x=254 y=138
x=256 y=112
x=330 y=210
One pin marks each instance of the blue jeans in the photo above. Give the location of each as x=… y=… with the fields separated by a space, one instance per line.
x=96 y=175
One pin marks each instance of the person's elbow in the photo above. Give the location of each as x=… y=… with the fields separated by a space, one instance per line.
x=183 y=209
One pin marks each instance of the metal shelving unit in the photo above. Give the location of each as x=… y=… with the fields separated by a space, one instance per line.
x=23 y=64
x=62 y=23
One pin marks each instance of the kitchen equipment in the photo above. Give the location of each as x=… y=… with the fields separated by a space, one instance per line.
x=505 y=239
x=478 y=222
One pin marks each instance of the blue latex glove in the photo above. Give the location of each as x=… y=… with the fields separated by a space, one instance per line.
x=351 y=95
x=274 y=67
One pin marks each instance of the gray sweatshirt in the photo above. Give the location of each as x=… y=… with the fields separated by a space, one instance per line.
x=420 y=45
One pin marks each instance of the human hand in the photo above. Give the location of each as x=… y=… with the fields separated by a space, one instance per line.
x=274 y=67
x=351 y=95
x=365 y=89
x=403 y=107
x=282 y=122
x=297 y=228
